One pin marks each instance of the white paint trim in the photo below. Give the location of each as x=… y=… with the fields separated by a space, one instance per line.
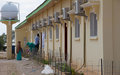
x=93 y=37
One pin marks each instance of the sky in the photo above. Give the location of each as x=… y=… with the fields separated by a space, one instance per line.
x=26 y=7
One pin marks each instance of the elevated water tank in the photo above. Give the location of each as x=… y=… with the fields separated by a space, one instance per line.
x=9 y=11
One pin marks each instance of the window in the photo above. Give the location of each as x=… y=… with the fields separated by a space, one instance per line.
x=50 y=33
x=45 y=33
x=93 y=24
x=57 y=32
x=77 y=28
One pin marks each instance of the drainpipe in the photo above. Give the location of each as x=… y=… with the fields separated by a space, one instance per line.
x=60 y=41
x=84 y=42
x=47 y=42
x=53 y=43
x=53 y=37
x=47 y=38
x=70 y=36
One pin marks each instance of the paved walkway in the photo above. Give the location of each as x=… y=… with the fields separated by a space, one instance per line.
x=24 y=67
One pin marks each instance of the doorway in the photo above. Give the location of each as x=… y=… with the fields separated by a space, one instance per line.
x=66 y=40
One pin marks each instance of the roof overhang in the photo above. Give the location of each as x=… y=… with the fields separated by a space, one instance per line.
x=39 y=8
x=45 y=5
x=21 y=24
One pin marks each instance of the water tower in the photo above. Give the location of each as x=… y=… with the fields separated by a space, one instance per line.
x=9 y=16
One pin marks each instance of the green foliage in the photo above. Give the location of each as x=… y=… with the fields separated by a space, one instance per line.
x=81 y=73
x=2 y=41
x=73 y=71
x=45 y=61
x=66 y=68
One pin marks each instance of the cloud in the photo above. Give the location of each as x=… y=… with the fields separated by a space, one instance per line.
x=26 y=6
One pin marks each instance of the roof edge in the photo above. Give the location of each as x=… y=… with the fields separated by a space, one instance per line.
x=34 y=12
x=22 y=23
x=38 y=8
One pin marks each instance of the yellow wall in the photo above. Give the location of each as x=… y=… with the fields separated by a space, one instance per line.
x=94 y=44
x=94 y=47
x=105 y=45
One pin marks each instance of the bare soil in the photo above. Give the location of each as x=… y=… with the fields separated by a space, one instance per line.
x=14 y=67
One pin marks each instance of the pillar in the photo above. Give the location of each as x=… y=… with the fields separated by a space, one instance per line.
x=9 y=40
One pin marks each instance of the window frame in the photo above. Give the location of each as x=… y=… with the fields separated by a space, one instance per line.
x=45 y=34
x=93 y=25
x=77 y=28
x=57 y=32
x=50 y=34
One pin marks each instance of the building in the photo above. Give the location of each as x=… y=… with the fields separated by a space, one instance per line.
x=83 y=31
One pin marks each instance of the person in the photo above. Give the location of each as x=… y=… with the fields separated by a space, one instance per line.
x=19 y=51
x=37 y=43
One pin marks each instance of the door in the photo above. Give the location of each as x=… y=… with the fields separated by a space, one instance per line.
x=66 y=54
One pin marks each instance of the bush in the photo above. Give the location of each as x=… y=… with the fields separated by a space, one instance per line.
x=45 y=61
x=2 y=42
x=81 y=73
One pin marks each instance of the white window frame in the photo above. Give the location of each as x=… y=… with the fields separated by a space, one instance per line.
x=50 y=33
x=93 y=25
x=57 y=32
x=45 y=34
x=77 y=28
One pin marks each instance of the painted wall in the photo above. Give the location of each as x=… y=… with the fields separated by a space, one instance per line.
x=116 y=35
x=94 y=45
x=94 y=48
x=21 y=36
x=77 y=43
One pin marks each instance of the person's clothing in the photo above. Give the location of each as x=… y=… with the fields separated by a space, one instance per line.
x=36 y=49
x=31 y=46
x=36 y=40
x=19 y=55
x=37 y=46
x=13 y=49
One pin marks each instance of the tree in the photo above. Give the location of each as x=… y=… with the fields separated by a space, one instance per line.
x=2 y=41
x=5 y=36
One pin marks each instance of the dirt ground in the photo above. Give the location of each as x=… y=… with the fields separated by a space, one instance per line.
x=3 y=55
x=24 y=67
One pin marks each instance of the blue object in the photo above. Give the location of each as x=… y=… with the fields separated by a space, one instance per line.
x=36 y=40
x=13 y=49
x=19 y=55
